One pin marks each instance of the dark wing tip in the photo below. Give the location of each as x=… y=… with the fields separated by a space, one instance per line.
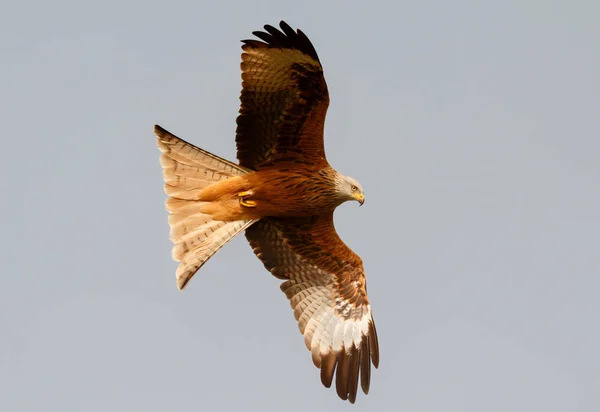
x=341 y=376
x=286 y=38
x=353 y=374
x=353 y=365
x=327 y=369
x=373 y=344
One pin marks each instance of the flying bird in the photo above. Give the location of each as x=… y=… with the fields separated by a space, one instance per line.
x=282 y=193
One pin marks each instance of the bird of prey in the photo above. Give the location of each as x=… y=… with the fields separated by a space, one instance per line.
x=283 y=194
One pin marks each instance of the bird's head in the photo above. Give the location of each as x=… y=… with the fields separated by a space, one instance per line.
x=350 y=189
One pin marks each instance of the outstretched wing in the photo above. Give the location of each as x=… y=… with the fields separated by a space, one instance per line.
x=325 y=284
x=284 y=100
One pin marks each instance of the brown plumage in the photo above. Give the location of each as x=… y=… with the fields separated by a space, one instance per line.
x=283 y=194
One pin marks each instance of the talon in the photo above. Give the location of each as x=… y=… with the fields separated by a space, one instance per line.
x=245 y=202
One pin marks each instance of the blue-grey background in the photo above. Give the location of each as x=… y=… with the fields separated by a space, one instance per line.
x=473 y=126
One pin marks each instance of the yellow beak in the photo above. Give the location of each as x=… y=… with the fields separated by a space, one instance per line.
x=360 y=198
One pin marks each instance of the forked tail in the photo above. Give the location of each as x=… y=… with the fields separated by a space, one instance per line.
x=187 y=170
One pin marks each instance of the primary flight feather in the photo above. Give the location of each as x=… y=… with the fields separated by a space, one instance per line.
x=283 y=194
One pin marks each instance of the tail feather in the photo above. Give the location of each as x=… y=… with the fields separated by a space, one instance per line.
x=187 y=170
x=182 y=227
x=203 y=246
x=186 y=153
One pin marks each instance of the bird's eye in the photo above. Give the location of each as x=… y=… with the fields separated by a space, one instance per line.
x=354 y=188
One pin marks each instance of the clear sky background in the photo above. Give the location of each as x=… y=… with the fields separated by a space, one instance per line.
x=474 y=128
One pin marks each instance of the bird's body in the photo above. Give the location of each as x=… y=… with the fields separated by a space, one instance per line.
x=283 y=194
x=274 y=192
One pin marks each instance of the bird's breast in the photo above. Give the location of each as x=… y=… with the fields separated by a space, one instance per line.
x=292 y=193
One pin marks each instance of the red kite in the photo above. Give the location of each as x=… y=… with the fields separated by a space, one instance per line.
x=283 y=194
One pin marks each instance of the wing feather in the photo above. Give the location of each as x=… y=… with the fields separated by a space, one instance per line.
x=284 y=100
x=353 y=372
x=325 y=285
x=365 y=370
x=328 y=363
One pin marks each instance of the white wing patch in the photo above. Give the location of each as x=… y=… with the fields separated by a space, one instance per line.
x=326 y=329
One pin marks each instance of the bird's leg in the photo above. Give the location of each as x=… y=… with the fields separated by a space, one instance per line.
x=244 y=201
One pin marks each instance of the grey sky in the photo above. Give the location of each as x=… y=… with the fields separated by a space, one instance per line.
x=474 y=129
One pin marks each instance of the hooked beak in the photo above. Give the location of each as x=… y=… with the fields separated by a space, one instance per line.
x=360 y=198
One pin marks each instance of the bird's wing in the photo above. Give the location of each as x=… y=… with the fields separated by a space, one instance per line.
x=284 y=100
x=325 y=284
